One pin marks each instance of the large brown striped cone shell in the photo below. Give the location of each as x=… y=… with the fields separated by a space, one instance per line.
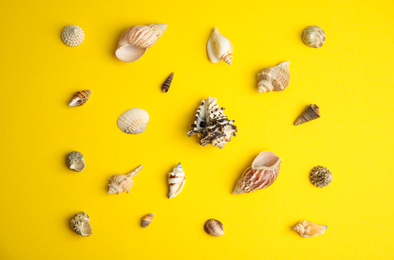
x=312 y=112
x=166 y=85
x=80 y=98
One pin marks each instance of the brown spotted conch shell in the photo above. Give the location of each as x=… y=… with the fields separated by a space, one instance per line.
x=262 y=173
x=80 y=98
x=312 y=112
x=123 y=182
x=309 y=229
x=219 y=48
x=80 y=223
x=176 y=181
x=275 y=78
x=137 y=39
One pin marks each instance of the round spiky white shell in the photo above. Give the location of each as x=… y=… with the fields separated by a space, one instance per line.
x=73 y=35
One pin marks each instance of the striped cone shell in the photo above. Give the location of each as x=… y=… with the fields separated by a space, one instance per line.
x=312 y=112
x=80 y=98
x=166 y=85
x=146 y=220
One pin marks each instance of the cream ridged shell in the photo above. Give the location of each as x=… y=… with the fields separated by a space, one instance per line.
x=73 y=35
x=80 y=223
x=275 y=78
x=313 y=36
x=176 y=181
x=309 y=229
x=123 y=182
x=133 y=121
x=219 y=48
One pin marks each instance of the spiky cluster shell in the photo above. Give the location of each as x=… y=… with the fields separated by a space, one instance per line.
x=176 y=181
x=214 y=227
x=311 y=113
x=313 y=36
x=80 y=223
x=211 y=125
x=166 y=85
x=320 y=176
x=309 y=229
x=275 y=78
x=146 y=220
x=73 y=35
x=80 y=98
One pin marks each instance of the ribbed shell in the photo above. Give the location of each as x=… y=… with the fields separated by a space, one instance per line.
x=146 y=220
x=73 y=35
x=311 y=113
x=75 y=161
x=176 y=181
x=122 y=183
x=320 y=176
x=313 y=36
x=80 y=223
x=275 y=78
x=133 y=121
x=166 y=85
x=309 y=229
x=80 y=98
x=214 y=227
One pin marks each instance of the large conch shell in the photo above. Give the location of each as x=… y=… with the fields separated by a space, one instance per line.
x=211 y=125
x=264 y=171
x=309 y=229
x=219 y=48
x=137 y=39
x=123 y=183
x=176 y=181
x=275 y=78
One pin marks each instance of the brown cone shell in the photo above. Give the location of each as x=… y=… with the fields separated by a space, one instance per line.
x=312 y=112
x=166 y=85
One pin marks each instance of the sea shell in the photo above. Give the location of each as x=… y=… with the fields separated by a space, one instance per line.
x=219 y=48
x=80 y=223
x=309 y=229
x=312 y=112
x=214 y=227
x=133 y=121
x=264 y=171
x=176 y=181
x=275 y=78
x=146 y=220
x=80 y=98
x=123 y=182
x=73 y=35
x=313 y=36
x=211 y=125
x=166 y=85
x=137 y=39
x=320 y=176
x=75 y=161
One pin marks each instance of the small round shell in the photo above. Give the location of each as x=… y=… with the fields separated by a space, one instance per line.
x=80 y=223
x=214 y=227
x=73 y=35
x=75 y=161
x=321 y=176
x=146 y=220
x=313 y=36
x=133 y=121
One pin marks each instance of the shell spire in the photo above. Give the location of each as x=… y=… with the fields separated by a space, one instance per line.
x=312 y=112
x=176 y=181
x=80 y=98
x=219 y=48
x=166 y=85
x=123 y=183
x=309 y=229
x=275 y=78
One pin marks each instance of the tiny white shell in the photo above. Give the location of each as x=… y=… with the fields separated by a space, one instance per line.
x=73 y=35
x=133 y=121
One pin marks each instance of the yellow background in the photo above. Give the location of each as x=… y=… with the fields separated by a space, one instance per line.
x=350 y=78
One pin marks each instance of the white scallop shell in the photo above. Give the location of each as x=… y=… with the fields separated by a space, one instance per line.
x=133 y=121
x=73 y=35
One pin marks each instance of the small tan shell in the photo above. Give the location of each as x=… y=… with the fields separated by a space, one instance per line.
x=73 y=35
x=176 y=181
x=75 y=161
x=214 y=227
x=275 y=78
x=80 y=98
x=320 y=176
x=219 y=48
x=133 y=121
x=146 y=220
x=309 y=229
x=166 y=85
x=123 y=183
x=312 y=112
x=313 y=36
x=80 y=223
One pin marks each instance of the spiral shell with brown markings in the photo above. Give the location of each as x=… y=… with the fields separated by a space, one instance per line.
x=214 y=227
x=146 y=220
x=80 y=98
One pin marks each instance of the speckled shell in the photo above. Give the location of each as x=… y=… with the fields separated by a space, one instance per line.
x=320 y=176
x=146 y=220
x=122 y=183
x=133 y=121
x=214 y=227
x=312 y=112
x=75 y=161
x=313 y=36
x=80 y=98
x=176 y=181
x=262 y=173
x=166 y=85
x=73 y=35
x=80 y=223
x=309 y=229
x=275 y=78
x=219 y=48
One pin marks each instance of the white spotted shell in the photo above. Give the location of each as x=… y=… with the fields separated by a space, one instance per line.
x=133 y=121
x=73 y=35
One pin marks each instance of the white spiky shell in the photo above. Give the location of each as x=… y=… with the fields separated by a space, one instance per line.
x=176 y=181
x=275 y=78
x=73 y=35
x=133 y=121
x=137 y=39
x=219 y=48
x=123 y=182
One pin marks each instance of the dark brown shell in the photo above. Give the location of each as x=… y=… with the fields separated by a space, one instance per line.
x=312 y=112
x=166 y=85
x=214 y=227
x=320 y=176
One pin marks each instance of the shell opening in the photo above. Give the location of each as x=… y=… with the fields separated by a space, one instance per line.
x=129 y=52
x=86 y=229
x=78 y=166
x=266 y=160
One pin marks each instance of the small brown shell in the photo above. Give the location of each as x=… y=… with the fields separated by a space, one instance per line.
x=146 y=220
x=312 y=112
x=214 y=227
x=313 y=36
x=166 y=85
x=80 y=98
x=320 y=176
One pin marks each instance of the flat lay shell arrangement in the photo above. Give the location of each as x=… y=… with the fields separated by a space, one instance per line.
x=210 y=125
